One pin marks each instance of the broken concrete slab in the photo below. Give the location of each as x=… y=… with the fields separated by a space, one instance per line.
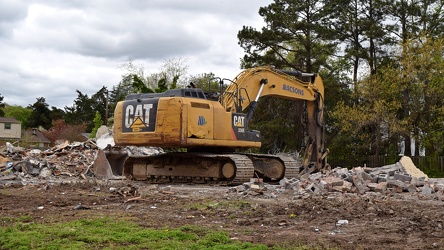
x=409 y=167
x=395 y=183
x=358 y=181
x=103 y=130
x=387 y=169
x=402 y=177
x=369 y=177
x=333 y=181
x=101 y=167
x=105 y=140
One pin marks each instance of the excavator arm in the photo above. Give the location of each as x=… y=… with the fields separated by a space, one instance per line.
x=246 y=89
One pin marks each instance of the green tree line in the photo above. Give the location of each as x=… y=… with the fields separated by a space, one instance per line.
x=382 y=65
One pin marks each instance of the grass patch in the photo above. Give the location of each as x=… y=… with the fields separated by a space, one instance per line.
x=210 y=205
x=108 y=233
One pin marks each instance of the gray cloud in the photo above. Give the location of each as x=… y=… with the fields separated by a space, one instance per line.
x=51 y=48
x=10 y=12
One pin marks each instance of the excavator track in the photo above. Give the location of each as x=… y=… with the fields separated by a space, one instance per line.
x=275 y=167
x=190 y=167
x=244 y=169
x=292 y=166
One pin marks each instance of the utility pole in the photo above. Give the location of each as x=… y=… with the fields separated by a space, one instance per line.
x=106 y=108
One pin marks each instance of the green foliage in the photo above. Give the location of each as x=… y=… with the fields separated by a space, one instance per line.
x=394 y=95
x=20 y=113
x=293 y=38
x=375 y=120
x=281 y=124
x=97 y=123
x=119 y=93
x=422 y=59
x=40 y=115
x=135 y=80
x=139 y=86
x=57 y=113
x=162 y=86
x=303 y=35
x=206 y=81
x=113 y=234
x=2 y=106
x=84 y=108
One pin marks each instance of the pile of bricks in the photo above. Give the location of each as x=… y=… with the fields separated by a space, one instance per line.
x=397 y=178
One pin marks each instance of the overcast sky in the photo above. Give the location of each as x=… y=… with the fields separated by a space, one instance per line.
x=51 y=48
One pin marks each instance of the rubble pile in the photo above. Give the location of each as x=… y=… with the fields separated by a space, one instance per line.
x=396 y=178
x=76 y=159
x=65 y=159
x=87 y=160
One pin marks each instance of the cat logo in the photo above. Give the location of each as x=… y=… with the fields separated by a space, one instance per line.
x=138 y=125
x=238 y=120
x=137 y=116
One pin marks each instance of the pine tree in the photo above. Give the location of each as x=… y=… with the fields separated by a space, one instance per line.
x=97 y=124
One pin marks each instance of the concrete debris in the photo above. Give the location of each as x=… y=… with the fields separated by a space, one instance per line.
x=410 y=168
x=88 y=160
x=396 y=178
x=64 y=159
x=104 y=138
x=76 y=159
x=102 y=168
x=134 y=150
x=103 y=130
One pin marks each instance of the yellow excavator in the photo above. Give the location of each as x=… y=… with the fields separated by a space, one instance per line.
x=208 y=132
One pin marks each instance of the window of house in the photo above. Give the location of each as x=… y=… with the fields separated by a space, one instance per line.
x=7 y=125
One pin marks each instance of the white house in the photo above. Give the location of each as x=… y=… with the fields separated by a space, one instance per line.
x=10 y=128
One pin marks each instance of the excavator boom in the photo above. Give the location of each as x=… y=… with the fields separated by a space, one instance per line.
x=251 y=84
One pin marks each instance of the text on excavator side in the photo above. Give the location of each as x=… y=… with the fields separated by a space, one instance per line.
x=238 y=121
x=293 y=89
x=141 y=110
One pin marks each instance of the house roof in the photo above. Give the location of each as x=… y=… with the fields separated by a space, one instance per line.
x=8 y=119
x=36 y=136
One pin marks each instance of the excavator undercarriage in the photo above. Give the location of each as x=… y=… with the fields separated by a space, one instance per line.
x=198 y=167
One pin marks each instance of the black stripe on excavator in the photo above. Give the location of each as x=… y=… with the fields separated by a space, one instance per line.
x=240 y=128
x=139 y=115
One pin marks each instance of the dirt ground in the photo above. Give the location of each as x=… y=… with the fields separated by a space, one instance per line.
x=344 y=221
